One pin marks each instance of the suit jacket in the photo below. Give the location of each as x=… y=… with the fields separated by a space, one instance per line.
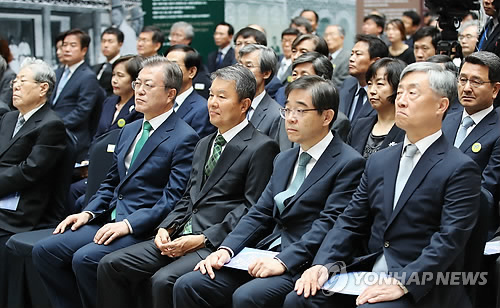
x=308 y=215
x=340 y=127
x=486 y=135
x=288 y=72
x=273 y=86
x=236 y=183
x=346 y=96
x=77 y=102
x=27 y=165
x=491 y=43
x=341 y=67
x=266 y=116
x=194 y=112
x=229 y=59
x=127 y=114
x=358 y=136
x=156 y=180
x=5 y=89
x=202 y=82
x=105 y=81
x=426 y=232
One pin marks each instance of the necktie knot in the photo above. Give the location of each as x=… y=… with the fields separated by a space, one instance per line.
x=467 y=122
x=219 y=140
x=410 y=150
x=304 y=159
x=21 y=120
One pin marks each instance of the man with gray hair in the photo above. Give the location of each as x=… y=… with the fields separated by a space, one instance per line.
x=467 y=36
x=334 y=37
x=264 y=111
x=32 y=141
x=415 y=208
x=150 y=170
x=181 y=32
x=231 y=168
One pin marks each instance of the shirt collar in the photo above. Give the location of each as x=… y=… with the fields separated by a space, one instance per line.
x=224 y=50
x=359 y=87
x=424 y=143
x=335 y=53
x=73 y=67
x=114 y=59
x=256 y=101
x=478 y=116
x=319 y=148
x=157 y=121
x=182 y=97
x=28 y=114
x=234 y=130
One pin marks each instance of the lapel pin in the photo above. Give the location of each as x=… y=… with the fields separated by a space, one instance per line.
x=392 y=144
x=121 y=123
x=476 y=147
x=131 y=108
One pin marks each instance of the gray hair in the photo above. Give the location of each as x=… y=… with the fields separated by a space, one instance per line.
x=246 y=85
x=322 y=66
x=267 y=58
x=441 y=80
x=42 y=72
x=186 y=27
x=340 y=29
x=467 y=24
x=172 y=75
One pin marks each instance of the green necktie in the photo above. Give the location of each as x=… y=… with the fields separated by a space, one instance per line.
x=138 y=147
x=209 y=167
x=212 y=161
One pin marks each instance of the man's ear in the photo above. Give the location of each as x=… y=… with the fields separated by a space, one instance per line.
x=192 y=72
x=157 y=46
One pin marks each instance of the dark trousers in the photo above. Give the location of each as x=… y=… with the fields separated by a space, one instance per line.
x=142 y=268
x=4 y=281
x=231 y=285
x=67 y=264
x=76 y=192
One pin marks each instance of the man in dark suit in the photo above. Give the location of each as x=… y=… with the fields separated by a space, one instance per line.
x=189 y=105
x=111 y=42
x=490 y=34
x=77 y=94
x=353 y=99
x=475 y=130
x=425 y=43
x=224 y=56
x=334 y=37
x=284 y=66
x=220 y=191
x=33 y=138
x=292 y=221
x=152 y=161
x=412 y=213
x=264 y=112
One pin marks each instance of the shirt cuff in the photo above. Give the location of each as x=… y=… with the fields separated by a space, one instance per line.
x=228 y=250
x=282 y=263
x=91 y=214
x=129 y=226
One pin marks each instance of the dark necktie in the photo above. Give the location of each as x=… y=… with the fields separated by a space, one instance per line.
x=359 y=103
x=20 y=122
x=218 y=61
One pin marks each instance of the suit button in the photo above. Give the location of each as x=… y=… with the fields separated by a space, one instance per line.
x=195 y=211
x=120 y=197
x=386 y=244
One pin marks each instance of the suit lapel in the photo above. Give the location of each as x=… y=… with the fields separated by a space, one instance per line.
x=391 y=136
x=186 y=106
x=491 y=43
x=199 y=162
x=74 y=79
x=430 y=158
x=451 y=124
x=260 y=113
x=325 y=163
x=390 y=174
x=231 y=152
x=59 y=72
x=481 y=129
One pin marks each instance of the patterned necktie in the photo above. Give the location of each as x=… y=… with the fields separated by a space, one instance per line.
x=280 y=198
x=462 y=131
x=20 y=122
x=144 y=137
x=62 y=83
x=212 y=161
x=359 y=103
x=405 y=169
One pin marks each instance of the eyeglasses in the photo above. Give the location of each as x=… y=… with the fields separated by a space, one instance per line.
x=475 y=83
x=22 y=82
x=467 y=36
x=299 y=113
x=136 y=85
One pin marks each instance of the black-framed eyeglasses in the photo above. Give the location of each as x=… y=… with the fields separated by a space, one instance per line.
x=299 y=113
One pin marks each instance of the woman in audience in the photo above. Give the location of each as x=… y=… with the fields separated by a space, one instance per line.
x=395 y=31
x=117 y=110
x=370 y=134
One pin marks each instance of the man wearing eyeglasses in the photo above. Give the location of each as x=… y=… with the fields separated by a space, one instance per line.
x=475 y=131
x=467 y=37
x=32 y=141
x=310 y=186
x=152 y=163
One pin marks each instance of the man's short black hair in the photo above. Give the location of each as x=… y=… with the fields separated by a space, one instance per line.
x=247 y=32
x=158 y=36
x=415 y=18
x=434 y=33
x=83 y=36
x=192 y=57
x=230 y=29
x=320 y=44
x=314 y=12
x=114 y=31
x=290 y=31
x=376 y=47
x=379 y=20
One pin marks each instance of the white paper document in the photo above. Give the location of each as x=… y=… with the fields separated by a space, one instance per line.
x=492 y=248
x=10 y=202
x=353 y=283
x=247 y=256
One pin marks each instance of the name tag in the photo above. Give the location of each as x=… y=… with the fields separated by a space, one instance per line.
x=199 y=86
